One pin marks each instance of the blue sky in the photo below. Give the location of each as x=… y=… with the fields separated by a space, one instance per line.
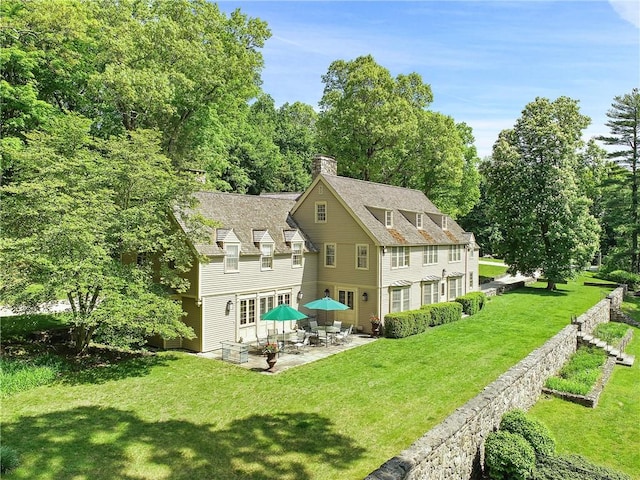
x=484 y=60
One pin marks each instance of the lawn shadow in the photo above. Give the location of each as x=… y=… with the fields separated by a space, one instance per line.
x=539 y=292
x=99 y=443
x=101 y=368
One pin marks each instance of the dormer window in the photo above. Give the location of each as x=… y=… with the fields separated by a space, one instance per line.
x=444 y=222
x=388 y=219
x=266 y=260
x=232 y=257
x=419 y=221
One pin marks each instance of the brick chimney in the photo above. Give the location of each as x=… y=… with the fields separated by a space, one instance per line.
x=323 y=164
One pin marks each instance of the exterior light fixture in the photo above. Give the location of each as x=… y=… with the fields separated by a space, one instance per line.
x=326 y=292
x=229 y=306
x=444 y=272
x=300 y=296
x=365 y=296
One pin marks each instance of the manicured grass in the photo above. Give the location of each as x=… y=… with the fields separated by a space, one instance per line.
x=179 y=416
x=607 y=435
x=491 y=260
x=491 y=271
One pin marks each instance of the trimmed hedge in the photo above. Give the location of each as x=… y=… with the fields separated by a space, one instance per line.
x=632 y=280
x=412 y=322
x=531 y=429
x=445 y=312
x=472 y=302
x=508 y=456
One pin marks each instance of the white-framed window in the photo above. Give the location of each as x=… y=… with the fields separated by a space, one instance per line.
x=247 y=311
x=455 y=287
x=419 y=221
x=471 y=280
x=296 y=254
x=430 y=293
x=266 y=304
x=284 y=297
x=330 y=254
x=472 y=251
x=430 y=254
x=266 y=261
x=321 y=212
x=388 y=218
x=455 y=253
x=362 y=257
x=399 y=257
x=232 y=257
x=400 y=299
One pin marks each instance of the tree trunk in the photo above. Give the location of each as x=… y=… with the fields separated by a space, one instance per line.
x=551 y=285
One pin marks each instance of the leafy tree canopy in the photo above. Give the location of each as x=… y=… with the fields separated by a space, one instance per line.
x=76 y=208
x=379 y=129
x=535 y=193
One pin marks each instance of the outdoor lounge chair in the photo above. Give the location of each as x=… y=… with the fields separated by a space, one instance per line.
x=302 y=341
x=345 y=335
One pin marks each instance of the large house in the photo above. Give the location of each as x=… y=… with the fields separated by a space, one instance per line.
x=376 y=248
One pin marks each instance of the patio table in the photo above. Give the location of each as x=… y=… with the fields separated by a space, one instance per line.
x=329 y=332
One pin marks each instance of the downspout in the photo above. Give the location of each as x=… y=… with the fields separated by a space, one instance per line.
x=380 y=258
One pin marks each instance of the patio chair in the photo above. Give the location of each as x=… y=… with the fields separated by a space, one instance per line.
x=302 y=341
x=272 y=335
x=345 y=335
x=313 y=325
x=337 y=324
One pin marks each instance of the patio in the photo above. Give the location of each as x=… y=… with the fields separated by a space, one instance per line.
x=257 y=361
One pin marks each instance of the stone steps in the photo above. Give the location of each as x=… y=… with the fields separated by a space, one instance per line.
x=621 y=357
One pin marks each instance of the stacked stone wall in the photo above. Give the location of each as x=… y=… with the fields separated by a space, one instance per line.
x=453 y=450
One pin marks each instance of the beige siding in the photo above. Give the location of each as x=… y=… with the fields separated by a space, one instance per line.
x=218 y=324
x=192 y=319
x=249 y=277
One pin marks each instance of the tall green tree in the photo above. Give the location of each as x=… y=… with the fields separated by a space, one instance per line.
x=77 y=208
x=624 y=125
x=366 y=116
x=176 y=66
x=380 y=130
x=535 y=195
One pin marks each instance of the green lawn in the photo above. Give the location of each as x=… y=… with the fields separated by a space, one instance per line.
x=492 y=260
x=491 y=271
x=609 y=434
x=178 y=416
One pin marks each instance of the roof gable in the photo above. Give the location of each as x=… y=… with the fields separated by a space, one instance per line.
x=248 y=220
x=367 y=202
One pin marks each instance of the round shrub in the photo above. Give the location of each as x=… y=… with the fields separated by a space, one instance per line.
x=532 y=430
x=508 y=456
x=8 y=459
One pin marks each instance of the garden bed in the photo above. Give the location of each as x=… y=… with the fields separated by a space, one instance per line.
x=591 y=399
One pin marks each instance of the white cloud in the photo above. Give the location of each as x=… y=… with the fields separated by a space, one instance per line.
x=628 y=10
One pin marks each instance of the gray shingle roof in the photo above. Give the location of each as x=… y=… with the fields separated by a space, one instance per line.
x=249 y=217
x=363 y=198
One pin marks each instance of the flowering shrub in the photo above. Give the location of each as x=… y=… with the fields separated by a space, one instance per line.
x=271 y=348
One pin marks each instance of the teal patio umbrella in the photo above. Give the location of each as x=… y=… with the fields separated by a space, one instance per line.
x=283 y=313
x=327 y=303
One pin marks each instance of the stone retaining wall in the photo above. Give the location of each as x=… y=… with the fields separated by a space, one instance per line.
x=454 y=449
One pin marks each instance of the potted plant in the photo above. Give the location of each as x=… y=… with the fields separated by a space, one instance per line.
x=375 y=325
x=271 y=350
